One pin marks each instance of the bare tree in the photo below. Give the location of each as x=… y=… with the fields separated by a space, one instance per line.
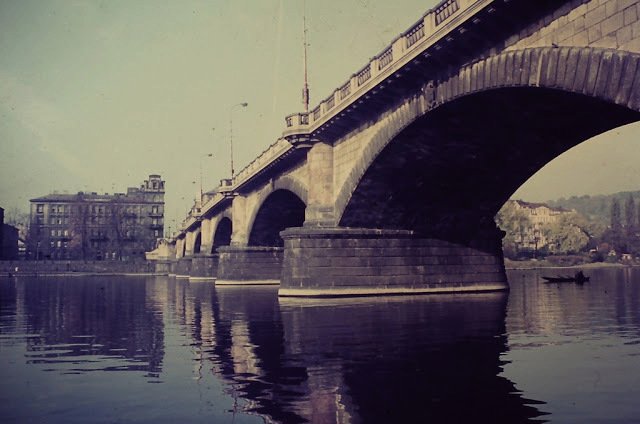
x=78 y=231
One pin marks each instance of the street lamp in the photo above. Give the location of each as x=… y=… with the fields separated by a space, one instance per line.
x=231 y=109
x=206 y=155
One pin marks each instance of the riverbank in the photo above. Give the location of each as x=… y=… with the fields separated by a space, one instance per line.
x=77 y=268
x=542 y=263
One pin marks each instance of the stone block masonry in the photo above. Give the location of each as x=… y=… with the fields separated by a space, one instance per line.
x=183 y=267
x=249 y=265
x=203 y=267
x=348 y=262
x=613 y=24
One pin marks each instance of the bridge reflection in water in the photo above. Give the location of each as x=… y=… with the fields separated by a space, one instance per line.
x=436 y=358
x=393 y=359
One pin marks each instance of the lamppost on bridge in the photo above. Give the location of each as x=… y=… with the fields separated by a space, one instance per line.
x=231 y=109
x=206 y=155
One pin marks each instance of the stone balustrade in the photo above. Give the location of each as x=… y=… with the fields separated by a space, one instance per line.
x=404 y=48
x=273 y=152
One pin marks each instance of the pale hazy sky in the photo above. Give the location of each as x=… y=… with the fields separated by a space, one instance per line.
x=97 y=95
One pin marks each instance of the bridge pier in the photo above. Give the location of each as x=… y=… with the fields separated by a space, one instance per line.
x=183 y=267
x=204 y=267
x=249 y=265
x=352 y=262
x=164 y=266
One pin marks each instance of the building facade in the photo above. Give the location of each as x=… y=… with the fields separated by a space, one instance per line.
x=533 y=237
x=120 y=226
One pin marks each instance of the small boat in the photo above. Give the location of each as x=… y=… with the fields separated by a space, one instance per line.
x=578 y=278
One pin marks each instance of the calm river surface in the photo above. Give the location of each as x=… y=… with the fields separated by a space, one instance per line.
x=157 y=350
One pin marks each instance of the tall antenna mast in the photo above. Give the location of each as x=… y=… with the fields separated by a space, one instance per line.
x=305 y=88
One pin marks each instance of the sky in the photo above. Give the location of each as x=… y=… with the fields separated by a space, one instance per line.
x=97 y=95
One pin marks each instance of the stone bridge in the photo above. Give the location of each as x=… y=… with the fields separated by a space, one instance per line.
x=391 y=184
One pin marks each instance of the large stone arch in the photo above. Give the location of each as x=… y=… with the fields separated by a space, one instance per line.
x=222 y=231
x=608 y=81
x=280 y=209
x=284 y=183
x=193 y=240
x=197 y=242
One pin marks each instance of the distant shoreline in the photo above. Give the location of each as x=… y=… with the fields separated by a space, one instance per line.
x=520 y=265
x=81 y=274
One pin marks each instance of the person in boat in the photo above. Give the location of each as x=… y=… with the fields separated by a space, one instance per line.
x=579 y=276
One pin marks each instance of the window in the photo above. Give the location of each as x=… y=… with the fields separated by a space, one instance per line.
x=40 y=208
x=66 y=233
x=156 y=233
x=53 y=233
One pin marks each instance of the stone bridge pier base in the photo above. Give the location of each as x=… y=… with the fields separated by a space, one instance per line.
x=356 y=262
x=183 y=267
x=249 y=265
x=204 y=267
x=164 y=267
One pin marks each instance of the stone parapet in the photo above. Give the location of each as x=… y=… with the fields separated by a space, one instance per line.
x=354 y=262
x=246 y=265
x=203 y=267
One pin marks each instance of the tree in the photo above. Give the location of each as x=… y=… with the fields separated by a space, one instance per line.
x=616 y=233
x=78 y=231
x=630 y=212
x=121 y=227
x=631 y=239
x=568 y=233
x=15 y=217
x=515 y=222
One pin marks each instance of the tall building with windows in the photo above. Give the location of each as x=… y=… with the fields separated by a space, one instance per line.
x=98 y=226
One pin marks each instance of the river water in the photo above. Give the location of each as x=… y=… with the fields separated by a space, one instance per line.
x=157 y=350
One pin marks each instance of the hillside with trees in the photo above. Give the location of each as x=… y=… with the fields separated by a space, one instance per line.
x=597 y=208
x=602 y=227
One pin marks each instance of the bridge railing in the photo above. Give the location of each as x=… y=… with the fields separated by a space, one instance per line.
x=272 y=152
x=213 y=199
x=381 y=66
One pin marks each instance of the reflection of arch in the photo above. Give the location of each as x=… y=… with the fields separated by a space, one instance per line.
x=281 y=209
x=222 y=234
x=197 y=243
x=470 y=144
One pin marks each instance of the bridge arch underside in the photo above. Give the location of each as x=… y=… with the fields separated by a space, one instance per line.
x=281 y=209
x=197 y=244
x=222 y=235
x=447 y=173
